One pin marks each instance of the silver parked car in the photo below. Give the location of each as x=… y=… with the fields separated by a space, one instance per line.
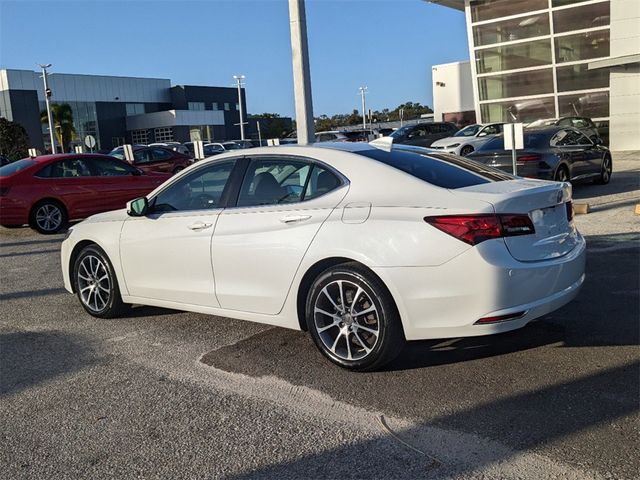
x=469 y=139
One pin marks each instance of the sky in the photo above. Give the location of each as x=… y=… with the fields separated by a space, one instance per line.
x=387 y=45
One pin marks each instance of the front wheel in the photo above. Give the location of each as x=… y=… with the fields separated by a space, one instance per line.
x=96 y=284
x=605 y=171
x=466 y=150
x=352 y=318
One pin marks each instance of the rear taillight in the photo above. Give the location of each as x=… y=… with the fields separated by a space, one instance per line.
x=569 y=210
x=4 y=191
x=473 y=229
x=530 y=158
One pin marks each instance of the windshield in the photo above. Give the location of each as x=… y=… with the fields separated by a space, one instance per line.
x=231 y=146
x=401 y=131
x=469 y=131
x=15 y=167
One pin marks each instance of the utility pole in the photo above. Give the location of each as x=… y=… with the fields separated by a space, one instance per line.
x=47 y=96
x=363 y=92
x=401 y=117
x=301 y=71
x=259 y=132
x=239 y=79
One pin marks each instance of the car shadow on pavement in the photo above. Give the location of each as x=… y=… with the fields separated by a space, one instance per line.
x=621 y=182
x=30 y=242
x=28 y=359
x=32 y=293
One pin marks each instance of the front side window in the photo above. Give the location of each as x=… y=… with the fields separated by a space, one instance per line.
x=469 y=131
x=141 y=156
x=200 y=190
x=160 y=155
x=490 y=130
x=274 y=181
x=101 y=167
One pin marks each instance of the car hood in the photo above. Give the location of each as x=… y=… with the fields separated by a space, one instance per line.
x=112 y=216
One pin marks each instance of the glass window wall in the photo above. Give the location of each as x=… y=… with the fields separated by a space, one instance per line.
x=516 y=84
x=587 y=16
x=524 y=110
x=490 y=9
x=510 y=30
x=511 y=57
x=579 y=77
x=582 y=46
x=134 y=109
x=592 y=105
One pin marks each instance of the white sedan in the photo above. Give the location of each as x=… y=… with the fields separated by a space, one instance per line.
x=468 y=139
x=363 y=245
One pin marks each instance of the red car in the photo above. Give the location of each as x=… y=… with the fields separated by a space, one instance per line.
x=155 y=159
x=45 y=192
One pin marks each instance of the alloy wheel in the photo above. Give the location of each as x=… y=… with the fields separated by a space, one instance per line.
x=347 y=320
x=49 y=217
x=94 y=284
x=606 y=170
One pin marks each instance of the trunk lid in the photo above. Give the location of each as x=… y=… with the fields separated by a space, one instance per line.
x=546 y=205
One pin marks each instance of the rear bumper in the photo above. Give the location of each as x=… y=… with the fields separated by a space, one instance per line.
x=447 y=300
x=539 y=170
x=13 y=212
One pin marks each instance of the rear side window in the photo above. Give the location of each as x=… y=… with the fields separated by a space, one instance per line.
x=442 y=170
x=531 y=140
x=15 y=167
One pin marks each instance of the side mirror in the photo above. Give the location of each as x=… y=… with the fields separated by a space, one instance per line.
x=138 y=207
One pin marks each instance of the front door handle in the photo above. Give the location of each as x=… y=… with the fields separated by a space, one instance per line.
x=199 y=226
x=295 y=218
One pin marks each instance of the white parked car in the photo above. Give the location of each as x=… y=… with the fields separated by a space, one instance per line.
x=364 y=246
x=468 y=139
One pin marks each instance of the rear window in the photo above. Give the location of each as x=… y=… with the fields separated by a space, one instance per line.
x=15 y=167
x=442 y=170
x=531 y=140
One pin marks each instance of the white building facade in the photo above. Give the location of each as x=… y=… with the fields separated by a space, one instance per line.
x=536 y=59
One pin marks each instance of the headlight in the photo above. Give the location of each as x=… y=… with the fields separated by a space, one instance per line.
x=454 y=145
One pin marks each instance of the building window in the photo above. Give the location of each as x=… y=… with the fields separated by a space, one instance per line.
x=134 y=109
x=227 y=107
x=196 y=106
x=524 y=110
x=512 y=57
x=581 y=18
x=592 y=105
x=214 y=106
x=516 y=84
x=238 y=106
x=579 y=77
x=489 y=9
x=511 y=30
x=117 y=141
x=164 y=134
x=582 y=46
x=140 y=137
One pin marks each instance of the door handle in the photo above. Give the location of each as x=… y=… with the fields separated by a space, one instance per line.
x=199 y=226
x=295 y=218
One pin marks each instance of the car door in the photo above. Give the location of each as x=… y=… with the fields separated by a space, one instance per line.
x=591 y=155
x=259 y=244
x=567 y=142
x=161 y=160
x=166 y=255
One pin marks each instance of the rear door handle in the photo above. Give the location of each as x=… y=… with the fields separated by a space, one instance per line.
x=295 y=218
x=199 y=226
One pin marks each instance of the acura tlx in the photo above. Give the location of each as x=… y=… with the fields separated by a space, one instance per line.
x=365 y=246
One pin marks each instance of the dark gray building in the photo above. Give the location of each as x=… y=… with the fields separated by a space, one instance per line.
x=118 y=110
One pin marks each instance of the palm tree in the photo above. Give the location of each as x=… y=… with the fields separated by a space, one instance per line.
x=62 y=123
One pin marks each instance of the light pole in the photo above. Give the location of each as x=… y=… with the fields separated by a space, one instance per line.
x=47 y=95
x=239 y=79
x=363 y=92
x=301 y=71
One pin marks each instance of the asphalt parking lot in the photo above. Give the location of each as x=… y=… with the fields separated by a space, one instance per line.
x=180 y=395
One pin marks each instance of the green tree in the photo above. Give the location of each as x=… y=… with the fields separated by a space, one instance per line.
x=62 y=123
x=14 y=141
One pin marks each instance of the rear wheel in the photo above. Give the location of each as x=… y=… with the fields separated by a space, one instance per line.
x=466 y=150
x=353 y=319
x=605 y=171
x=96 y=284
x=562 y=174
x=47 y=217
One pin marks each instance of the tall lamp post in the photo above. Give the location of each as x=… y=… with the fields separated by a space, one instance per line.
x=363 y=92
x=239 y=79
x=47 y=96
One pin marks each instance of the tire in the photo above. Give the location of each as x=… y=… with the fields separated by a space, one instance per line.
x=48 y=217
x=364 y=341
x=466 y=150
x=605 y=171
x=562 y=174
x=96 y=285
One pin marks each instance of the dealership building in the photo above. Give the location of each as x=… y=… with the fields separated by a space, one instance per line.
x=118 y=110
x=537 y=59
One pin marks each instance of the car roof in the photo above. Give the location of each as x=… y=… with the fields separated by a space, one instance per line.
x=60 y=156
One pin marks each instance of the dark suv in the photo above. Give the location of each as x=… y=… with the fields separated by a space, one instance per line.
x=423 y=134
